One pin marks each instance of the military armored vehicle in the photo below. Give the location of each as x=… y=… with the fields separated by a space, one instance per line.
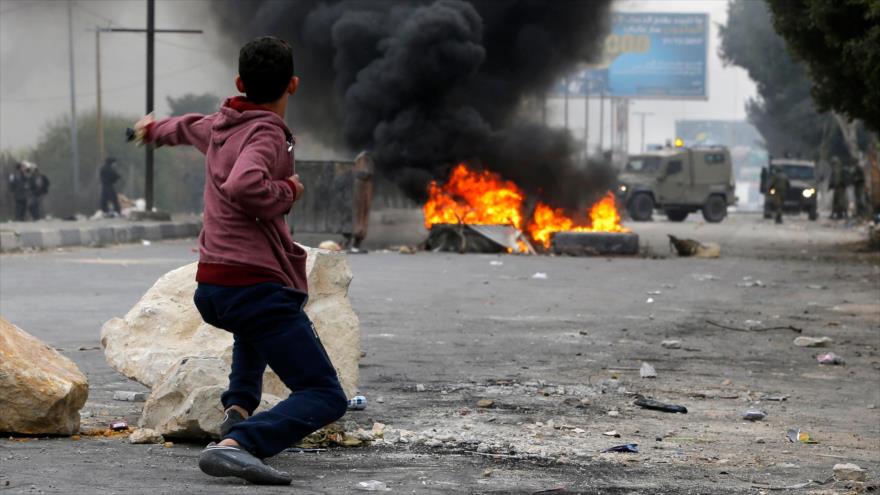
x=678 y=181
x=801 y=194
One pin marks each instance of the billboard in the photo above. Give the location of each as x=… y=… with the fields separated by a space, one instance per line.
x=648 y=55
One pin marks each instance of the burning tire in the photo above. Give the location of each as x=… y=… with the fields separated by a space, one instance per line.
x=641 y=207
x=595 y=243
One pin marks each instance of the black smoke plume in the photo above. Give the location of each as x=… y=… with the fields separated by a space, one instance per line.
x=427 y=84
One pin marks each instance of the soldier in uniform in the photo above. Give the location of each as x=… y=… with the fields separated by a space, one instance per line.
x=363 y=197
x=837 y=184
x=858 y=182
x=778 y=187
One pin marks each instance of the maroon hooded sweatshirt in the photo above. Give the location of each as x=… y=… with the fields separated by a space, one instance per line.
x=245 y=239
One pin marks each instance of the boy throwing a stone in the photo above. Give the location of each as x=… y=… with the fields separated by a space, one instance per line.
x=251 y=275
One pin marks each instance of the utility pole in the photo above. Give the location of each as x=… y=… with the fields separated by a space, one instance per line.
x=565 y=102
x=587 y=120
x=601 y=121
x=74 y=145
x=99 y=116
x=151 y=32
x=642 y=115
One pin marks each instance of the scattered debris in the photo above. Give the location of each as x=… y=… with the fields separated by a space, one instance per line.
x=330 y=246
x=612 y=433
x=496 y=263
x=373 y=486
x=671 y=344
x=118 y=425
x=817 y=287
x=168 y=445
x=754 y=326
x=754 y=415
x=407 y=249
x=849 y=472
x=540 y=276
x=357 y=403
x=127 y=396
x=654 y=293
x=486 y=403
x=690 y=247
x=751 y=283
x=646 y=403
x=420 y=387
x=627 y=448
x=650 y=300
x=613 y=413
x=830 y=358
x=812 y=341
x=647 y=371
x=703 y=277
x=145 y=435
x=775 y=398
x=145 y=242
x=796 y=435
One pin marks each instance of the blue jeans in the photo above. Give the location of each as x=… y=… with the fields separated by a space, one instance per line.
x=270 y=328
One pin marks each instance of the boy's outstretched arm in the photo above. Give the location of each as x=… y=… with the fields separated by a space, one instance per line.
x=250 y=183
x=193 y=129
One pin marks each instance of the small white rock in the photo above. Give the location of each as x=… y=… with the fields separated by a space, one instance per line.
x=671 y=344
x=647 y=371
x=849 y=472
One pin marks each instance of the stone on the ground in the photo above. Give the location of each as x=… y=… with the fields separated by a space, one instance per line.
x=41 y=391
x=647 y=371
x=803 y=341
x=671 y=344
x=849 y=472
x=164 y=329
x=145 y=435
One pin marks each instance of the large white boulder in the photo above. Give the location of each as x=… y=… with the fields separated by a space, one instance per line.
x=41 y=391
x=154 y=342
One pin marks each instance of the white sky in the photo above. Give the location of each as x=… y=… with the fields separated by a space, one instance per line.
x=34 y=71
x=729 y=87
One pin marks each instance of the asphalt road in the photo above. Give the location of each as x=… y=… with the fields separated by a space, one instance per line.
x=466 y=329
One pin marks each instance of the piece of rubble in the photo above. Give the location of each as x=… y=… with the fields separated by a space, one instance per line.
x=41 y=391
x=330 y=245
x=164 y=328
x=145 y=435
x=830 y=358
x=849 y=472
x=754 y=415
x=612 y=433
x=420 y=387
x=803 y=341
x=127 y=396
x=671 y=344
x=486 y=403
x=647 y=371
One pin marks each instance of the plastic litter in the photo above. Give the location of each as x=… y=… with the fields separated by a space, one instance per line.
x=754 y=415
x=540 y=276
x=812 y=341
x=496 y=263
x=659 y=406
x=129 y=396
x=647 y=371
x=373 y=486
x=671 y=344
x=796 y=435
x=627 y=448
x=357 y=403
x=119 y=425
x=829 y=358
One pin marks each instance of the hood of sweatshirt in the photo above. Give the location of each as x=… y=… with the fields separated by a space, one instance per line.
x=238 y=113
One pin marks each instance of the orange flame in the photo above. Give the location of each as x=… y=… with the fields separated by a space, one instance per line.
x=476 y=197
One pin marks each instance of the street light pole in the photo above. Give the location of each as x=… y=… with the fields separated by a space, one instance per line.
x=99 y=116
x=151 y=32
x=642 y=115
x=74 y=139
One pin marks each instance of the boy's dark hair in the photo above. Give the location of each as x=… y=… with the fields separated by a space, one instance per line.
x=265 y=66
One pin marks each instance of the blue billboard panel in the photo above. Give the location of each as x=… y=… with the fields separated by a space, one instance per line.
x=648 y=55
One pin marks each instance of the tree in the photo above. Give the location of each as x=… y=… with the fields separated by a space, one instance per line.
x=192 y=103
x=784 y=113
x=179 y=171
x=839 y=40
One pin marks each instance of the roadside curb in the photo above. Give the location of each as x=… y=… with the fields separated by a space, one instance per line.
x=95 y=236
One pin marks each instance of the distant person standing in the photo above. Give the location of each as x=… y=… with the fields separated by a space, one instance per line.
x=778 y=188
x=39 y=187
x=837 y=184
x=109 y=178
x=19 y=186
x=363 y=198
x=857 y=178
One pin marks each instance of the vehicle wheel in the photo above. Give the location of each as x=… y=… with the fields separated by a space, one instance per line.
x=641 y=207
x=813 y=214
x=715 y=209
x=676 y=215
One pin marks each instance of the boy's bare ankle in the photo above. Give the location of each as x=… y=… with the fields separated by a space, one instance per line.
x=228 y=442
x=240 y=410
